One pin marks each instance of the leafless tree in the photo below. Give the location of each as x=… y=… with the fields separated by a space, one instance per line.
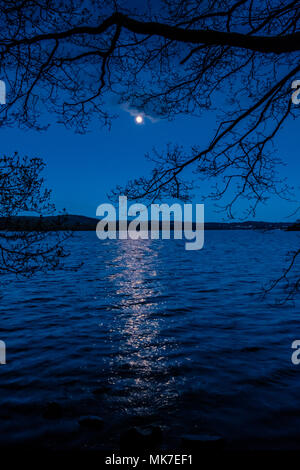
x=26 y=251
x=168 y=57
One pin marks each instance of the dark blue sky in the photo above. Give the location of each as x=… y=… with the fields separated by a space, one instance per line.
x=82 y=169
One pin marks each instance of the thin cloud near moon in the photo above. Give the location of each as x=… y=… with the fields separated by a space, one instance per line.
x=139 y=116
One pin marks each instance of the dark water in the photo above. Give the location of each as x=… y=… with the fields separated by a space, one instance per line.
x=148 y=333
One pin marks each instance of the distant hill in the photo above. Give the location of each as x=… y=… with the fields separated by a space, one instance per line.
x=82 y=223
x=59 y=222
x=294 y=227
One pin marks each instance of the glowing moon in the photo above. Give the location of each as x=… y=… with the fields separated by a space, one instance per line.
x=139 y=119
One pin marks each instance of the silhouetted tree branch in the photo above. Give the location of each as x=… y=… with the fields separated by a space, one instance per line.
x=289 y=280
x=25 y=252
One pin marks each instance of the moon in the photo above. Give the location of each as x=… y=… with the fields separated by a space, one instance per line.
x=139 y=119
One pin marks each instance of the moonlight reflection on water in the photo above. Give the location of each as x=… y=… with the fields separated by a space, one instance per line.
x=141 y=351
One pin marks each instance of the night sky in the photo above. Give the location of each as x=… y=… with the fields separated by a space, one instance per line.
x=82 y=169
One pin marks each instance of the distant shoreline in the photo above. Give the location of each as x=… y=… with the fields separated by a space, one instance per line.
x=82 y=223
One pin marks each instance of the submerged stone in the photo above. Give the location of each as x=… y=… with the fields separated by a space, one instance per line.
x=91 y=422
x=202 y=441
x=143 y=438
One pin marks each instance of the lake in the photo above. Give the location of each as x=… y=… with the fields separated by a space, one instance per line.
x=147 y=333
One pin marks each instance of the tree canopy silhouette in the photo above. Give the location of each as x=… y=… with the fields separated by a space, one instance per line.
x=24 y=252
